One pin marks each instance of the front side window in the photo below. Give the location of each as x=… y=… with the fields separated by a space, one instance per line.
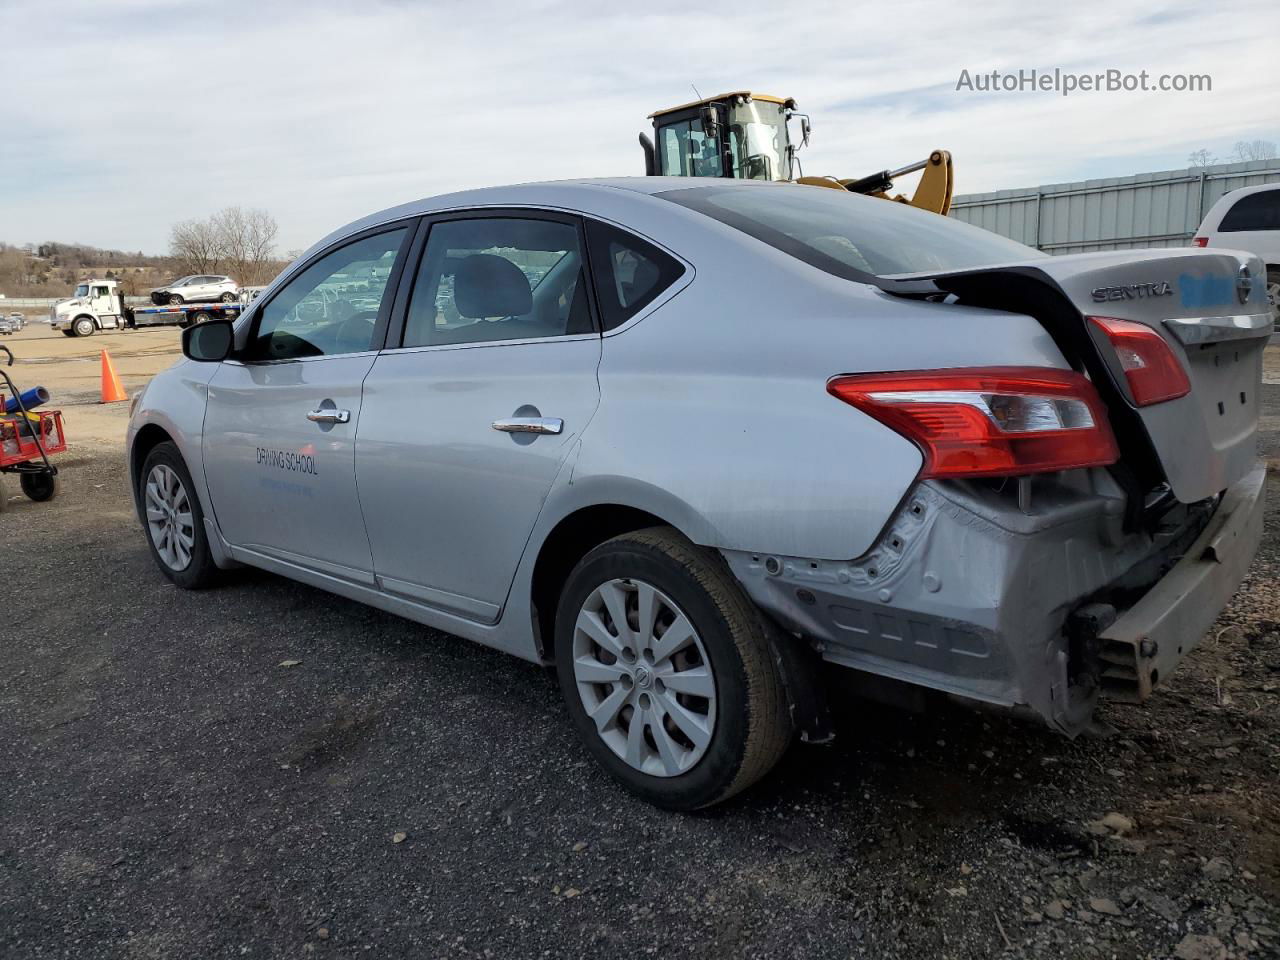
x=498 y=278
x=630 y=272
x=332 y=306
x=850 y=235
x=1257 y=211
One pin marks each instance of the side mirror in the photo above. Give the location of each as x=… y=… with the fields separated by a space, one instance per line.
x=208 y=342
x=710 y=123
x=805 y=130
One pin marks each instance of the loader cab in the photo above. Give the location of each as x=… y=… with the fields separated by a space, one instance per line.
x=739 y=135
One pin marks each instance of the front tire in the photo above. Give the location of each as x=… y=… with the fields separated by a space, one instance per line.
x=173 y=520
x=83 y=327
x=175 y=300
x=668 y=671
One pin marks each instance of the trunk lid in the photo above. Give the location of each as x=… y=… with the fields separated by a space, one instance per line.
x=1210 y=308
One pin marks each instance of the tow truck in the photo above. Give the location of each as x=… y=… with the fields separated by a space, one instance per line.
x=99 y=305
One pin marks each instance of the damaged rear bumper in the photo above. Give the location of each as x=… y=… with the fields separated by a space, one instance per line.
x=1146 y=641
x=971 y=595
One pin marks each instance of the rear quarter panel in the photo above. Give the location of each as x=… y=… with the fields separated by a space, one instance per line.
x=716 y=401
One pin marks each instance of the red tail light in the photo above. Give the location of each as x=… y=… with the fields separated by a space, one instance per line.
x=1153 y=372
x=988 y=422
x=1199 y=241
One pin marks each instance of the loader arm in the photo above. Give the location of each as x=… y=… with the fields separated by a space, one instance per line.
x=932 y=193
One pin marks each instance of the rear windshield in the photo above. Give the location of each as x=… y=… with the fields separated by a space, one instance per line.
x=851 y=235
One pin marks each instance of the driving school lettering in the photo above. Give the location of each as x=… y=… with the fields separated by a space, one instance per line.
x=287 y=460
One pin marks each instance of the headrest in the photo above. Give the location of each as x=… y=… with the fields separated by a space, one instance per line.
x=486 y=285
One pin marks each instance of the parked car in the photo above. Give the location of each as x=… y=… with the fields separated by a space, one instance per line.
x=1248 y=219
x=18 y=320
x=7 y=325
x=699 y=445
x=197 y=289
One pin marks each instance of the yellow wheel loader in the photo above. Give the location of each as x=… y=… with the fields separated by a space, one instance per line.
x=746 y=136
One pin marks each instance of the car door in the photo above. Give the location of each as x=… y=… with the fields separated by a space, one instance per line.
x=468 y=419
x=281 y=417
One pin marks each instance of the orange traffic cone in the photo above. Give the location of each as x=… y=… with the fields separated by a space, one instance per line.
x=112 y=392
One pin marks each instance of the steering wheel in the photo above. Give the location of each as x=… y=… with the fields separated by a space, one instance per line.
x=348 y=332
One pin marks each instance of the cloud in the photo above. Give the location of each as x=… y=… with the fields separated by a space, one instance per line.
x=119 y=117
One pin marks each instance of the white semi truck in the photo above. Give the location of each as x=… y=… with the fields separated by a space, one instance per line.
x=99 y=305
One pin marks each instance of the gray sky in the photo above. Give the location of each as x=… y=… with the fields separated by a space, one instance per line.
x=119 y=117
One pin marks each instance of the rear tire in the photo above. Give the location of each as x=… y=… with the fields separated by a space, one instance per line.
x=39 y=486
x=228 y=298
x=173 y=520
x=689 y=750
x=199 y=317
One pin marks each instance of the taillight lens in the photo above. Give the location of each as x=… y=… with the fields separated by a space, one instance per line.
x=989 y=422
x=1153 y=372
x=1199 y=241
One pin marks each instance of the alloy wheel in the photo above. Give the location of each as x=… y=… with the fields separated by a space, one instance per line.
x=169 y=518
x=644 y=677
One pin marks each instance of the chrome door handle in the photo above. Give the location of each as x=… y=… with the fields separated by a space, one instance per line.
x=329 y=415
x=529 y=425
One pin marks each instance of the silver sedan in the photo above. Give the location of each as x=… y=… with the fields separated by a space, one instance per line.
x=708 y=447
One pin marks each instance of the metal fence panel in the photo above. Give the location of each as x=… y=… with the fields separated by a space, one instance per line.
x=1161 y=209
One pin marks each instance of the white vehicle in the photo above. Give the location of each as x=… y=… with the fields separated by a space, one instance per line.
x=197 y=289
x=95 y=305
x=1248 y=219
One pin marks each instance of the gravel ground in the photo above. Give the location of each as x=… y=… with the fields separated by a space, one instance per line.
x=265 y=770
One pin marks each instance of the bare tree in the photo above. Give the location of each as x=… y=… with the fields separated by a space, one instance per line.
x=1246 y=150
x=1201 y=158
x=234 y=240
x=194 y=244
x=247 y=240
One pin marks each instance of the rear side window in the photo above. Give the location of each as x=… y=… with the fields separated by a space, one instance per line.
x=1257 y=211
x=630 y=273
x=498 y=278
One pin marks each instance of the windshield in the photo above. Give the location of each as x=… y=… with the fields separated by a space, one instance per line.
x=758 y=141
x=82 y=290
x=850 y=235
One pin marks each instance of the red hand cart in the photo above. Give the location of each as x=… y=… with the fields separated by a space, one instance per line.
x=26 y=441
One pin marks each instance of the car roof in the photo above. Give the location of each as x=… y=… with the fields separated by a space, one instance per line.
x=584 y=195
